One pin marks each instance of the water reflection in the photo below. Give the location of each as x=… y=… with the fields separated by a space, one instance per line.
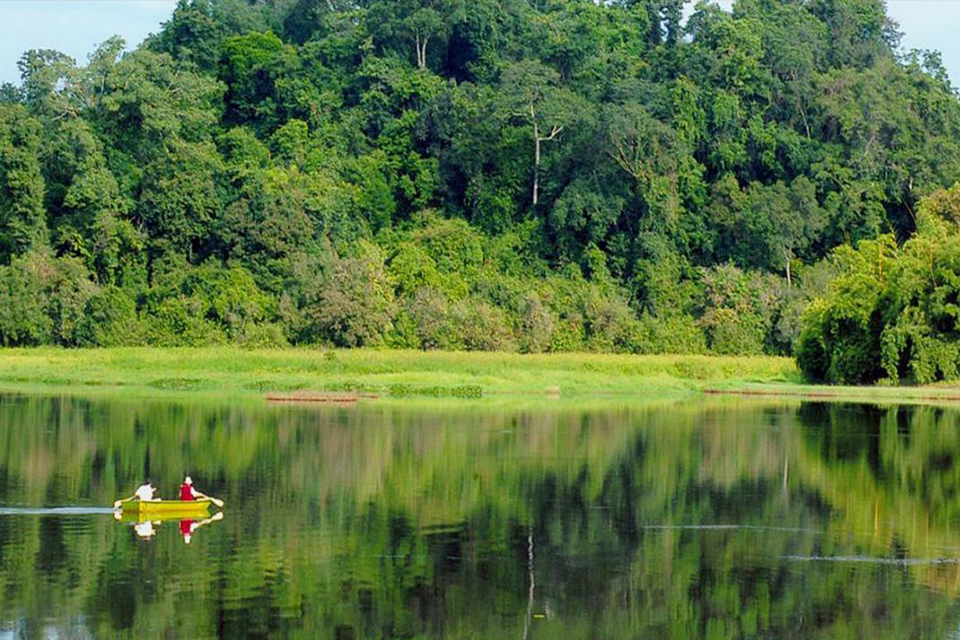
x=723 y=519
x=145 y=527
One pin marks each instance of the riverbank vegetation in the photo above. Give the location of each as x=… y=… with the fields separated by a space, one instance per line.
x=893 y=312
x=383 y=373
x=555 y=176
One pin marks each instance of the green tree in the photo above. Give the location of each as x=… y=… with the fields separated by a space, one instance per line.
x=22 y=216
x=352 y=303
x=531 y=93
x=417 y=22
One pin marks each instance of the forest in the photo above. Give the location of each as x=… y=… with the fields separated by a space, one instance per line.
x=517 y=175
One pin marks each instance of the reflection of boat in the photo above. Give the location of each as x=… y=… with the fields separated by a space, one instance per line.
x=145 y=523
x=188 y=527
x=164 y=509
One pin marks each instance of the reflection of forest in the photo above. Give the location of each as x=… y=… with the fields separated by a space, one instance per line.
x=381 y=522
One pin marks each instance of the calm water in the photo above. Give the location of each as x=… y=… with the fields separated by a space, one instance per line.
x=721 y=519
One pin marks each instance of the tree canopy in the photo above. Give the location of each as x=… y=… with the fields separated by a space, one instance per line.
x=496 y=174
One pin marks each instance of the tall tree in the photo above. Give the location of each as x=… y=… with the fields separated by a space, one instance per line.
x=416 y=22
x=531 y=93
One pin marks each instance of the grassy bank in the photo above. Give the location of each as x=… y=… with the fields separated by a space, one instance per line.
x=228 y=370
x=415 y=374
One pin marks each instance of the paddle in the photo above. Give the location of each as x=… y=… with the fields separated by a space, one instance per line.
x=116 y=505
x=215 y=501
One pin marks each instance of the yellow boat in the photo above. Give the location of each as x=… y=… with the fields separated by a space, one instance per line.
x=165 y=509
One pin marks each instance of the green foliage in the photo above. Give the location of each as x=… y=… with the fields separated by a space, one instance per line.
x=840 y=339
x=738 y=310
x=23 y=317
x=534 y=176
x=22 y=223
x=44 y=300
x=351 y=303
x=209 y=304
x=921 y=337
x=110 y=320
x=672 y=333
x=893 y=310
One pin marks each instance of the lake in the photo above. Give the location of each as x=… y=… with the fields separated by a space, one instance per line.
x=717 y=518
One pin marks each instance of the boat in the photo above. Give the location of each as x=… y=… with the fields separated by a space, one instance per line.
x=165 y=509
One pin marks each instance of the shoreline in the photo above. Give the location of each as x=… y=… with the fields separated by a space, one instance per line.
x=341 y=377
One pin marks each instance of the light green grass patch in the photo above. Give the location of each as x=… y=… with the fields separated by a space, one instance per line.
x=406 y=373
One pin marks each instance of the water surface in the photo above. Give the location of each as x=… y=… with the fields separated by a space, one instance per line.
x=713 y=519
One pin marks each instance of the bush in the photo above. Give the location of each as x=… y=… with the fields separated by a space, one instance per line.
x=67 y=289
x=840 y=339
x=921 y=307
x=43 y=300
x=353 y=306
x=569 y=334
x=537 y=325
x=610 y=323
x=892 y=311
x=809 y=283
x=261 y=336
x=731 y=333
x=23 y=317
x=110 y=320
x=482 y=327
x=210 y=304
x=180 y=322
x=737 y=310
x=672 y=333
x=433 y=320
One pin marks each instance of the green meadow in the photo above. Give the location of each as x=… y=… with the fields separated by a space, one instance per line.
x=427 y=375
x=237 y=371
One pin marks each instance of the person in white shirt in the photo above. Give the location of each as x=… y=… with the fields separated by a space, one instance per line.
x=145 y=492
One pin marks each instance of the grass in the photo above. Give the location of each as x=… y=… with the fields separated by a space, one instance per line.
x=225 y=371
x=397 y=373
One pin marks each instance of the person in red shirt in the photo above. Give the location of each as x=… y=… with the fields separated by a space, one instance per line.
x=187 y=492
x=186 y=529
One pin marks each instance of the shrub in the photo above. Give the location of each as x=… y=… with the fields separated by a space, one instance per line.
x=809 y=283
x=432 y=319
x=43 y=299
x=23 y=317
x=840 y=339
x=921 y=308
x=210 y=304
x=737 y=310
x=180 y=322
x=482 y=327
x=353 y=305
x=672 y=333
x=732 y=333
x=569 y=334
x=892 y=311
x=67 y=288
x=110 y=320
x=610 y=323
x=261 y=336
x=537 y=325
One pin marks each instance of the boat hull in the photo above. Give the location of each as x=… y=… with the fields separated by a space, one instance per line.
x=165 y=509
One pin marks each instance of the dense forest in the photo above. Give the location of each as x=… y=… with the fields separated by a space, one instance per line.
x=531 y=175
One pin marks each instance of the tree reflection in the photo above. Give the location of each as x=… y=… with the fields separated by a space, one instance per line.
x=727 y=519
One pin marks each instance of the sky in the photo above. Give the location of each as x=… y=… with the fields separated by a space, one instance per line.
x=75 y=27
